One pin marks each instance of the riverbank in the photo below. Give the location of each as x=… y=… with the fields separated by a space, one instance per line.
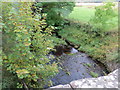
x=100 y=46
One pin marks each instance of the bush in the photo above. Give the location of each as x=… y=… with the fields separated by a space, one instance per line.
x=105 y=17
x=54 y=12
x=25 y=48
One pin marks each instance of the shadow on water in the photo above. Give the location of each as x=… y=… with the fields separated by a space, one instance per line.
x=76 y=66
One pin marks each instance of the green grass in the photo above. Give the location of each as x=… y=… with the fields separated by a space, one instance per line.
x=93 y=74
x=82 y=14
x=113 y=27
x=95 y=46
x=87 y=64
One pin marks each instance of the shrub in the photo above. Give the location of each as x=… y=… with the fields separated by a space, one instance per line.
x=105 y=17
x=54 y=12
x=25 y=47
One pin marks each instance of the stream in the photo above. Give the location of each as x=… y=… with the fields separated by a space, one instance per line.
x=76 y=65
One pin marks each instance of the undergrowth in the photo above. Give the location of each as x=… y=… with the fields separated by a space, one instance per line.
x=99 y=46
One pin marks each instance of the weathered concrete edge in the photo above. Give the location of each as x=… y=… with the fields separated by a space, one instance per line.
x=109 y=81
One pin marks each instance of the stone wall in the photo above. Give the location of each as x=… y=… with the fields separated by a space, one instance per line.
x=109 y=81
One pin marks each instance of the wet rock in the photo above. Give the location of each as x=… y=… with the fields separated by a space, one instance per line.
x=64 y=49
x=59 y=50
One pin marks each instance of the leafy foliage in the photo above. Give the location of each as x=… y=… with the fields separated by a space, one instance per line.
x=54 y=12
x=25 y=48
x=9 y=80
x=105 y=17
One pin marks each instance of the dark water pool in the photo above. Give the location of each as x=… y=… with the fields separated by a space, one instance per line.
x=76 y=66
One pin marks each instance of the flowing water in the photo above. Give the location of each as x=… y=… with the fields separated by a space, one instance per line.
x=76 y=66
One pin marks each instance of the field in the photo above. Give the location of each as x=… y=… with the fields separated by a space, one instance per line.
x=85 y=16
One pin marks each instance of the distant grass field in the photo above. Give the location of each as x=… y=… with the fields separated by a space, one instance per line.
x=82 y=14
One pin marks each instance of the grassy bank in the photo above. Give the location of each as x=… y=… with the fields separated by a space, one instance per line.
x=99 y=45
